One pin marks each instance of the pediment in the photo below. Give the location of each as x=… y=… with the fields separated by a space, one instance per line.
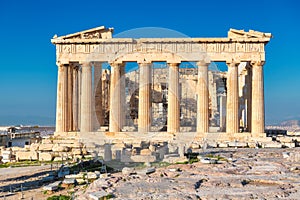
x=234 y=33
x=94 y=33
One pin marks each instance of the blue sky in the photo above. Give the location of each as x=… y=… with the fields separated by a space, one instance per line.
x=28 y=70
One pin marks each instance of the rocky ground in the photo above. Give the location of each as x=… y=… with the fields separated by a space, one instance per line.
x=240 y=174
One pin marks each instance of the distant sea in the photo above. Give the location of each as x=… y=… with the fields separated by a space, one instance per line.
x=26 y=120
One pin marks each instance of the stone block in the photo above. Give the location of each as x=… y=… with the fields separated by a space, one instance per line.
x=80 y=181
x=289 y=144
x=68 y=181
x=223 y=145
x=140 y=158
x=237 y=144
x=171 y=155
x=46 y=141
x=76 y=151
x=212 y=144
x=45 y=156
x=59 y=158
x=75 y=176
x=252 y=144
x=99 y=195
x=145 y=152
x=152 y=147
x=195 y=146
x=26 y=155
x=271 y=145
x=284 y=139
x=175 y=159
x=137 y=145
x=146 y=171
x=34 y=146
x=27 y=147
x=15 y=149
x=6 y=155
x=52 y=186
x=92 y=175
x=60 y=148
x=128 y=171
x=45 y=147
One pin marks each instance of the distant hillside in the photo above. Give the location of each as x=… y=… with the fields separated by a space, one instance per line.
x=290 y=123
x=26 y=120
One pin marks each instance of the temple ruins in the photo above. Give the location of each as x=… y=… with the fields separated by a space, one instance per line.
x=100 y=98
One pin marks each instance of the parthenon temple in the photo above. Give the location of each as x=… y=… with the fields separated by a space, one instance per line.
x=125 y=87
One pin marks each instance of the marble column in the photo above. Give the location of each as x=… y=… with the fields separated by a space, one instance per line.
x=70 y=98
x=202 y=99
x=86 y=98
x=258 y=112
x=75 y=98
x=173 y=98
x=98 y=118
x=115 y=98
x=79 y=95
x=60 y=99
x=65 y=98
x=123 y=97
x=105 y=96
x=144 y=113
x=232 y=108
x=248 y=97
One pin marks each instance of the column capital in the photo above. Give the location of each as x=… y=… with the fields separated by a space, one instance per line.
x=86 y=64
x=115 y=64
x=232 y=63
x=257 y=63
x=141 y=64
x=203 y=63
x=175 y=64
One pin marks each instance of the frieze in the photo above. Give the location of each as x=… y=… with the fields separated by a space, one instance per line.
x=179 y=47
x=66 y=48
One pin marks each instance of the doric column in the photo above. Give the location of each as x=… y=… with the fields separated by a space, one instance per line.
x=202 y=98
x=123 y=96
x=248 y=97
x=144 y=113
x=86 y=98
x=173 y=98
x=65 y=97
x=75 y=98
x=105 y=95
x=115 y=98
x=70 y=98
x=79 y=95
x=98 y=118
x=232 y=108
x=258 y=111
x=60 y=98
